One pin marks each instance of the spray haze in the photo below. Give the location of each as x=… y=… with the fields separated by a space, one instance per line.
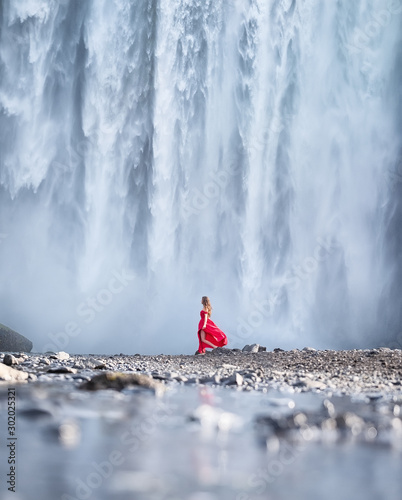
x=154 y=152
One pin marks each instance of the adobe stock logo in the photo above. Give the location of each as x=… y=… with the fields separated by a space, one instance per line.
x=89 y=309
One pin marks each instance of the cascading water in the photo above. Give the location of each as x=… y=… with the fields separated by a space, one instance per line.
x=154 y=151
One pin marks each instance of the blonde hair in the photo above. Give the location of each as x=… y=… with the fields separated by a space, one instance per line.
x=206 y=303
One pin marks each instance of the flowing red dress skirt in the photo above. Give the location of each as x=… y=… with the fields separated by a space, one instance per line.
x=212 y=333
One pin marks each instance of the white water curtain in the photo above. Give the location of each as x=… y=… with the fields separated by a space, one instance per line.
x=154 y=151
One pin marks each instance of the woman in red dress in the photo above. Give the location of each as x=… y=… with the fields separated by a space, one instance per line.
x=209 y=335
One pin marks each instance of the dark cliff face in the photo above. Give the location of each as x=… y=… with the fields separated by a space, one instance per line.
x=12 y=341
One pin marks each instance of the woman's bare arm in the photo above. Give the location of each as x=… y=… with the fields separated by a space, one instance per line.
x=205 y=321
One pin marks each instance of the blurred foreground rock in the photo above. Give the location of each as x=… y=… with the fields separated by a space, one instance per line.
x=11 y=374
x=120 y=381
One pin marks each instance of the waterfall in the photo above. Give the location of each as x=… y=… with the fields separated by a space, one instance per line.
x=153 y=151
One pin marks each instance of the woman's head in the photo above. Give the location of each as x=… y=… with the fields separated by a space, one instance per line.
x=207 y=304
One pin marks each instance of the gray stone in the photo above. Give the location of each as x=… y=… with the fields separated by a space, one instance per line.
x=82 y=378
x=251 y=348
x=235 y=379
x=11 y=374
x=192 y=380
x=309 y=384
x=250 y=376
x=220 y=350
x=79 y=366
x=12 y=341
x=309 y=349
x=119 y=381
x=315 y=384
x=35 y=413
x=62 y=356
x=213 y=379
x=61 y=369
x=262 y=348
x=10 y=360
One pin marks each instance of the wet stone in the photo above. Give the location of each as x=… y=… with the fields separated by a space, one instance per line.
x=10 y=360
x=119 y=381
x=235 y=379
x=60 y=356
x=35 y=413
x=214 y=379
x=61 y=369
x=11 y=374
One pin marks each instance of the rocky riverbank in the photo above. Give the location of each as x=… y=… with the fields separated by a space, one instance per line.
x=338 y=372
x=181 y=426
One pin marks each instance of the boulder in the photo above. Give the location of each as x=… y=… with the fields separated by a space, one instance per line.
x=11 y=341
x=119 y=381
x=11 y=374
x=251 y=348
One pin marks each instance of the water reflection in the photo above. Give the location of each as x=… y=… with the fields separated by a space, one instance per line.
x=203 y=444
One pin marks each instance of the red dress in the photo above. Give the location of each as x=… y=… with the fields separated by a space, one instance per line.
x=212 y=333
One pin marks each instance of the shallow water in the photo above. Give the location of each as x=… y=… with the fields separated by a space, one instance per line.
x=195 y=443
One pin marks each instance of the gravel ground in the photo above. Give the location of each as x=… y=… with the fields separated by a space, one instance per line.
x=340 y=372
x=288 y=423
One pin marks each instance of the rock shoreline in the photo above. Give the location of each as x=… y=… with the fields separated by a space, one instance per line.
x=345 y=372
